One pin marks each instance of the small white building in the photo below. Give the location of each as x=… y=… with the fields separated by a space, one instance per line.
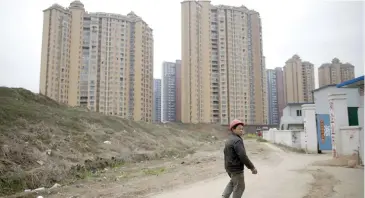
x=292 y=118
x=321 y=97
x=334 y=122
x=351 y=131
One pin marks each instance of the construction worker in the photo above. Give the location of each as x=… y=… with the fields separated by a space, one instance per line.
x=235 y=158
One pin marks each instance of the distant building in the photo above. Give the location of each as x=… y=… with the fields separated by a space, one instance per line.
x=178 y=90
x=292 y=117
x=280 y=89
x=156 y=100
x=169 y=90
x=298 y=81
x=101 y=61
x=222 y=64
x=273 y=108
x=335 y=72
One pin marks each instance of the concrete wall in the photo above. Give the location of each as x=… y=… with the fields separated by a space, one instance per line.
x=360 y=112
x=350 y=140
x=351 y=98
x=291 y=138
x=304 y=139
x=321 y=98
x=346 y=140
x=254 y=128
x=283 y=137
x=310 y=128
x=268 y=135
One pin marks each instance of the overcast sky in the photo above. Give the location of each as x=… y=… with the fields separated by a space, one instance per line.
x=316 y=30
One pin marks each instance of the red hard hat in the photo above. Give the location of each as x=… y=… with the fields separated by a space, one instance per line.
x=234 y=123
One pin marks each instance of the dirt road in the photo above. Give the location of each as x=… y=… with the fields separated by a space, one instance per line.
x=281 y=174
x=140 y=179
x=284 y=175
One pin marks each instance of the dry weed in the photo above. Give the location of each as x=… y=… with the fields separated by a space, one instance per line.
x=43 y=142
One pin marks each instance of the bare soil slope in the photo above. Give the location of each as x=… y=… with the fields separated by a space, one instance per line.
x=43 y=142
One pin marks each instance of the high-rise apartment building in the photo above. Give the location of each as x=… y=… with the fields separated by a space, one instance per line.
x=308 y=81
x=223 y=75
x=298 y=80
x=170 y=72
x=178 y=91
x=280 y=89
x=156 y=100
x=275 y=95
x=272 y=92
x=335 y=72
x=101 y=61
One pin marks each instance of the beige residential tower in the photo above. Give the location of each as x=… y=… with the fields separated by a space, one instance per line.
x=298 y=80
x=223 y=74
x=335 y=72
x=101 y=61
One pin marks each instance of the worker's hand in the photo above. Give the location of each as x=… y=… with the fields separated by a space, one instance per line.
x=254 y=171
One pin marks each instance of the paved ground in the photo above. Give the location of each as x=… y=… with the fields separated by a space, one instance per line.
x=285 y=175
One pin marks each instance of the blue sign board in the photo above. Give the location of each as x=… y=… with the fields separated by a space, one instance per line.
x=324 y=132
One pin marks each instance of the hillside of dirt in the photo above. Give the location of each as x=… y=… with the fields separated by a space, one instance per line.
x=43 y=142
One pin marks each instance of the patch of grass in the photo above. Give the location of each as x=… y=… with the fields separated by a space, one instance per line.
x=250 y=136
x=260 y=139
x=118 y=164
x=124 y=175
x=84 y=174
x=154 y=171
x=11 y=183
x=254 y=136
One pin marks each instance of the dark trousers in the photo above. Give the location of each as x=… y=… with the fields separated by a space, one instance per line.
x=236 y=185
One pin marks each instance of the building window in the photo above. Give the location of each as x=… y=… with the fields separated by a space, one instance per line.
x=299 y=112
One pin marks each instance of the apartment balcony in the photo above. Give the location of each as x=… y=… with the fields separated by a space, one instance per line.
x=215 y=97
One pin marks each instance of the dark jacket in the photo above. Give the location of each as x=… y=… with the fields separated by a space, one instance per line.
x=235 y=155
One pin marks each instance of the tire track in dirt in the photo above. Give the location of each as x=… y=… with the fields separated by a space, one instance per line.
x=205 y=163
x=323 y=184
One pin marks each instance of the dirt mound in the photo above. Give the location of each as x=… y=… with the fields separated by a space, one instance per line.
x=349 y=161
x=44 y=142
